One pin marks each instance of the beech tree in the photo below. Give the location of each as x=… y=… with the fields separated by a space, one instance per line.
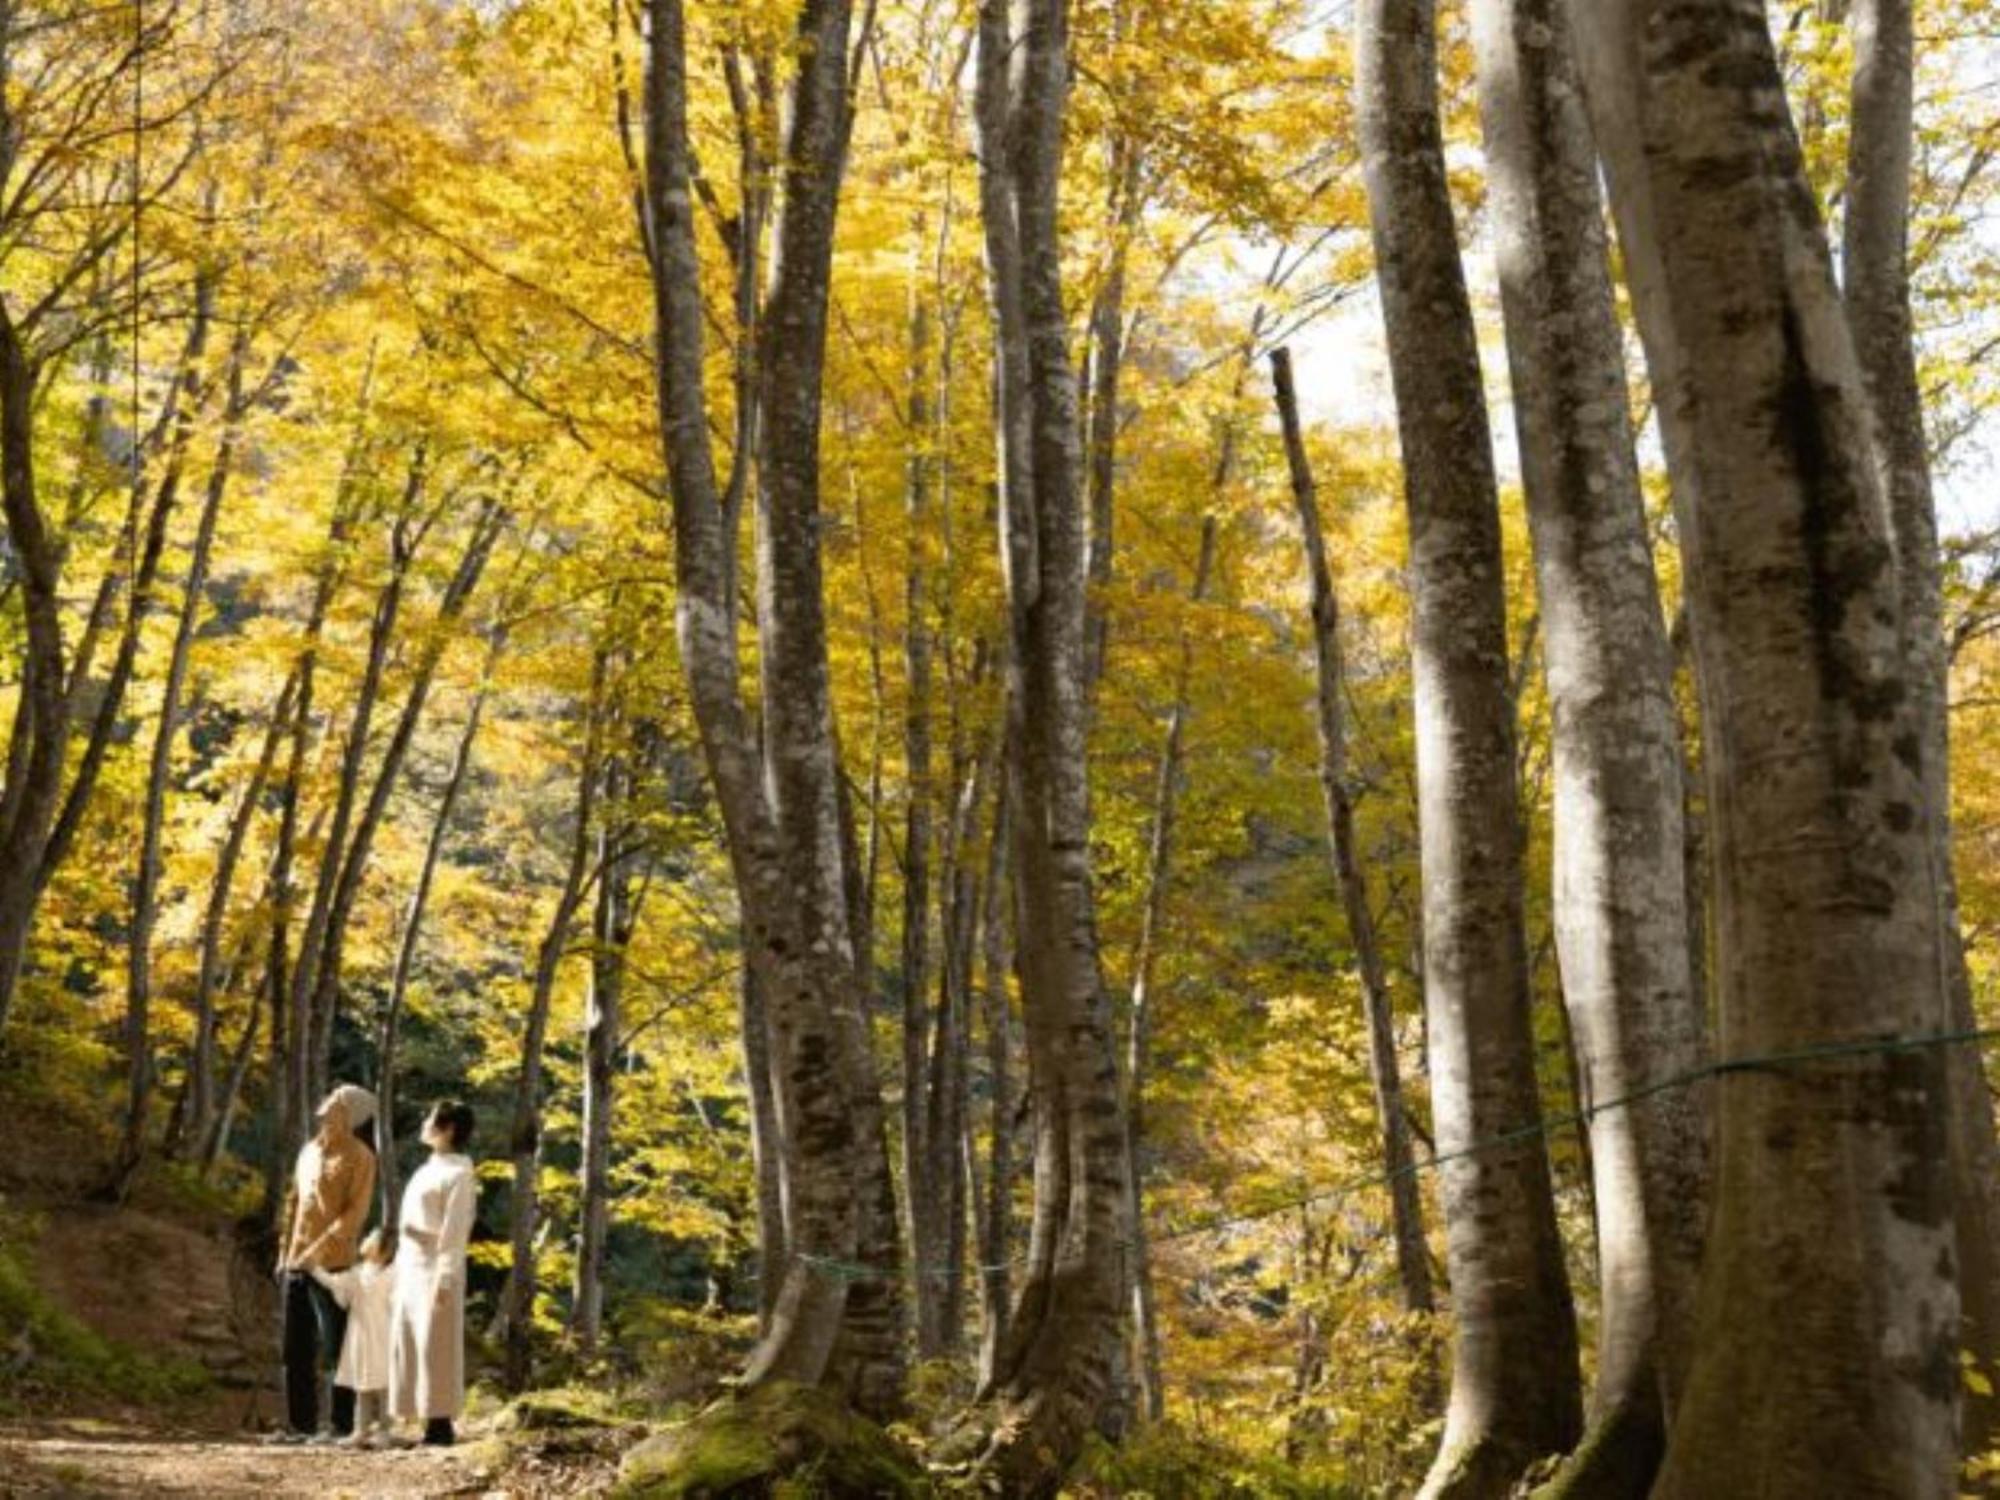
x=1875 y=258
x=1619 y=885
x=1087 y=950
x=1052 y=1373
x=1514 y=1395
x=780 y=811
x=1828 y=933
x=72 y=190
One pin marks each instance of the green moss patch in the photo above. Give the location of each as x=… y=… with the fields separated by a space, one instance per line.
x=787 y=1442
x=565 y=1409
x=49 y=1357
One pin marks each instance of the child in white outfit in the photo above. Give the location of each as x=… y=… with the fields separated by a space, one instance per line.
x=364 y=1290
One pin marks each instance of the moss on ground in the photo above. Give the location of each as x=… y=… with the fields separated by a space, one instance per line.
x=563 y=1409
x=786 y=1442
x=48 y=1355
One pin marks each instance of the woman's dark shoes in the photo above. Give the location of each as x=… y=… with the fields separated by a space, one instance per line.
x=438 y=1433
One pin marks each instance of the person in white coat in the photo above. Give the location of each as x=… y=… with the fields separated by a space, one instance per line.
x=364 y=1291
x=427 y=1309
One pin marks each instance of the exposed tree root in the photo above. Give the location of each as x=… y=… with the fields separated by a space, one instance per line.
x=1486 y=1469
x=1618 y=1457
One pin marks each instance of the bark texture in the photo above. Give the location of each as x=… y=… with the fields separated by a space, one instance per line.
x=1875 y=262
x=996 y=1201
x=1620 y=888
x=1052 y=1376
x=1514 y=1391
x=41 y=729
x=926 y=1196
x=1841 y=1379
x=826 y=1325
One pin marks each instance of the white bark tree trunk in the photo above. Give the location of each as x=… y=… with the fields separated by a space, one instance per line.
x=1620 y=888
x=1875 y=262
x=782 y=832
x=1052 y=1375
x=614 y=918
x=1841 y=1378
x=1514 y=1396
x=514 y=1323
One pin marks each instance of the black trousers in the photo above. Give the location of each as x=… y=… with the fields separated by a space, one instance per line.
x=314 y=1326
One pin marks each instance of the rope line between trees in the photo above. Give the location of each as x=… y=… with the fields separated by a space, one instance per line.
x=850 y=1271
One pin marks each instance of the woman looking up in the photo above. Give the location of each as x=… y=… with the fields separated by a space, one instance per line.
x=427 y=1310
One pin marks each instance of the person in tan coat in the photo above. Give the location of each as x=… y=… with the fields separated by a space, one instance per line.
x=333 y=1186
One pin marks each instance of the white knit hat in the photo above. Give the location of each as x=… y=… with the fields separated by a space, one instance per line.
x=360 y=1104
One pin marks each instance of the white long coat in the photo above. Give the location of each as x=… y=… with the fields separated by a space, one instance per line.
x=427 y=1314
x=365 y=1291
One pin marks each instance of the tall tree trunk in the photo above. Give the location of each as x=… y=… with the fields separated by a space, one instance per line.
x=1005 y=916
x=308 y=1059
x=146 y=542
x=215 y=915
x=781 y=827
x=1159 y=872
x=216 y=1142
x=1107 y=364
x=514 y=1323
x=1053 y=1374
x=1514 y=1394
x=325 y=1008
x=146 y=881
x=1620 y=890
x=996 y=1206
x=921 y=1193
x=612 y=922
x=287 y=1102
x=209 y=969
x=411 y=938
x=802 y=775
x=767 y=1149
x=945 y=1115
x=1876 y=265
x=947 y=1108
x=201 y=1003
x=1844 y=1381
x=1413 y=1265
x=34 y=775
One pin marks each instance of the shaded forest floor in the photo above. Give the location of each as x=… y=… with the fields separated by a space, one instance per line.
x=93 y=1458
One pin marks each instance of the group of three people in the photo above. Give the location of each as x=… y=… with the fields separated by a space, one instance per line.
x=389 y=1306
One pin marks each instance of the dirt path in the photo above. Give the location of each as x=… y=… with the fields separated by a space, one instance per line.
x=82 y=1460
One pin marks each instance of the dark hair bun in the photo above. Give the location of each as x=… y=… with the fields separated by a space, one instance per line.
x=455 y=1115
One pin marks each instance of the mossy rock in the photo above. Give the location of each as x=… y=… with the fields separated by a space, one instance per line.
x=558 y=1411
x=782 y=1441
